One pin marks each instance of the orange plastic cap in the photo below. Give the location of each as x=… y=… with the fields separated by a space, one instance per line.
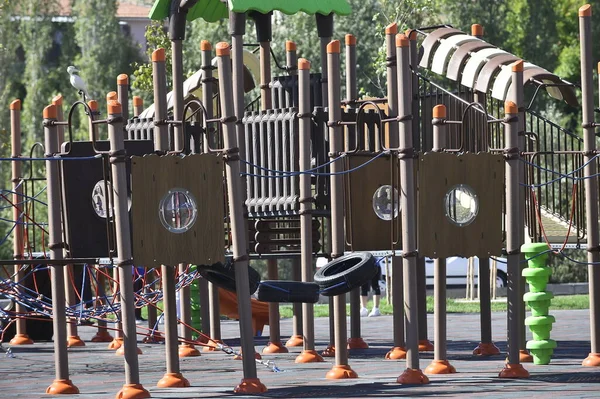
x=205 y=45
x=476 y=30
x=401 y=40
x=439 y=111
x=599 y=68
x=50 y=112
x=290 y=46
x=114 y=107
x=15 y=105
x=158 y=55
x=510 y=107
x=93 y=104
x=333 y=47
x=411 y=34
x=350 y=40
x=57 y=100
x=303 y=64
x=112 y=95
x=137 y=101
x=391 y=29
x=517 y=66
x=122 y=79
x=223 y=49
x=585 y=10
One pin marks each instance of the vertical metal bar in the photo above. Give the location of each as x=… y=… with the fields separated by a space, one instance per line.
x=297 y=321
x=250 y=383
x=161 y=139
x=61 y=384
x=407 y=202
x=591 y=184
x=123 y=98
x=265 y=76
x=341 y=369
x=138 y=106
x=275 y=345
x=58 y=102
x=123 y=238
x=399 y=349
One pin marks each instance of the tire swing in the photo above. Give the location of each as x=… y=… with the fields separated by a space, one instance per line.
x=343 y=274
x=288 y=291
x=223 y=276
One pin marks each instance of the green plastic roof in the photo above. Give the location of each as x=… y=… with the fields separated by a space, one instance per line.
x=214 y=10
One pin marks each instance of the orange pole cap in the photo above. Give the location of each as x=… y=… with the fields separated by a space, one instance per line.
x=158 y=55
x=93 y=104
x=350 y=40
x=411 y=34
x=205 y=45
x=333 y=47
x=510 y=108
x=599 y=68
x=111 y=95
x=114 y=107
x=290 y=46
x=517 y=66
x=585 y=10
x=122 y=79
x=137 y=101
x=57 y=100
x=50 y=112
x=439 y=111
x=391 y=29
x=476 y=30
x=223 y=49
x=401 y=40
x=303 y=64
x=15 y=105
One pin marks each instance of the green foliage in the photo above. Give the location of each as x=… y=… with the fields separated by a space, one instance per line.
x=566 y=271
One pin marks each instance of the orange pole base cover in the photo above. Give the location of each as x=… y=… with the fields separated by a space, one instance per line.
x=329 y=351
x=74 y=341
x=486 y=349
x=425 y=345
x=525 y=357
x=188 y=350
x=154 y=338
x=102 y=336
x=440 y=367
x=62 y=387
x=257 y=356
x=116 y=343
x=212 y=345
x=339 y=372
x=396 y=353
x=412 y=377
x=133 y=391
x=250 y=385
x=274 y=347
x=173 y=380
x=357 y=343
x=295 y=340
x=309 y=356
x=121 y=351
x=21 y=339
x=593 y=360
x=513 y=371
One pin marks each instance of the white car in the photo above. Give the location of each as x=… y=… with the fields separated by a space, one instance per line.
x=456 y=271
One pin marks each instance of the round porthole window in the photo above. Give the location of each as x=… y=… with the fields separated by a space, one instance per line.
x=386 y=202
x=100 y=199
x=461 y=205
x=178 y=210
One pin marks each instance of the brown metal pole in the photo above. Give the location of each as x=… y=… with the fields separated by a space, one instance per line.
x=62 y=384
x=399 y=349
x=123 y=98
x=138 y=106
x=486 y=347
x=250 y=383
x=58 y=102
x=274 y=345
x=308 y=355
x=591 y=184
x=412 y=374
x=124 y=261
x=21 y=337
x=513 y=368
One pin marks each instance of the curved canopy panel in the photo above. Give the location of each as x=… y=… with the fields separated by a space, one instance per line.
x=214 y=10
x=489 y=70
x=460 y=55
x=432 y=40
x=440 y=59
x=476 y=62
x=504 y=80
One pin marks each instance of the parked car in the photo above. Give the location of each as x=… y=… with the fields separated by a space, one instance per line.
x=456 y=271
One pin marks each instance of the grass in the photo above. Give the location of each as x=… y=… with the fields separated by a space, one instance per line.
x=568 y=302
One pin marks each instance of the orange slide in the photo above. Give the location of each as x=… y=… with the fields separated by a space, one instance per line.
x=229 y=307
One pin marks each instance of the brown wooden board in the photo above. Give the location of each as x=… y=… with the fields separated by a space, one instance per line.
x=152 y=177
x=438 y=173
x=364 y=230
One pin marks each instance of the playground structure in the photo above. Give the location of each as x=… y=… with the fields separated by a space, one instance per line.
x=283 y=206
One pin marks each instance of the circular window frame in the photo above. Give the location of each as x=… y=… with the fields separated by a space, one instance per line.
x=474 y=197
x=396 y=194
x=168 y=197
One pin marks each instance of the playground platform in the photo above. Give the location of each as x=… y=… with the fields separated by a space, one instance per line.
x=98 y=372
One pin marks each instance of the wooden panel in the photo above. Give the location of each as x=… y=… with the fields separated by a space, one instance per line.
x=439 y=172
x=152 y=177
x=364 y=230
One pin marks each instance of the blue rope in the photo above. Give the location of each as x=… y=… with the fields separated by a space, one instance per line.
x=53 y=158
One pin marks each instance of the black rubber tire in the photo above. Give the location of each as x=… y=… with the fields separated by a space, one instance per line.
x=288 y=291
x=343 y=274
x=223 y=276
